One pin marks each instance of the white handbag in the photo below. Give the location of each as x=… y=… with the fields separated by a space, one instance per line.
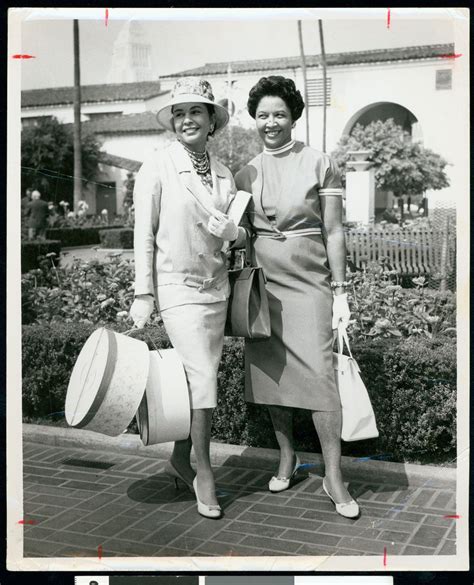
x=358 y=418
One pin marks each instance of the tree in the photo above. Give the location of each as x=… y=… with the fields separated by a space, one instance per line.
x=245 y=145
x=47 y=158
x=401 y=165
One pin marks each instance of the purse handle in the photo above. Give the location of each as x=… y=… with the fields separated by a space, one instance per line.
x=342 y=338
x=248 y=250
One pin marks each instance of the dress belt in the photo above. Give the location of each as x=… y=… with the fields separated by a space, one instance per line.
x=281 y=235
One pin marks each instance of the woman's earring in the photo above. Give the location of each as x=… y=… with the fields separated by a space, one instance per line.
x=293 y=125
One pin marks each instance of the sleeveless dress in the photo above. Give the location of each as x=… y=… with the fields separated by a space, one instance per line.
x=294 y=367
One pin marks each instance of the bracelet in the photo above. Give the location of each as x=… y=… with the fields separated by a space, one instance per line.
x=338 y=284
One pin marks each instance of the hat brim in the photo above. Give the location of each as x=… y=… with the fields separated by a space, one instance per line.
x=165 y=116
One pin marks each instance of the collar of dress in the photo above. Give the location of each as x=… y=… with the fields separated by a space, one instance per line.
x=281 y=149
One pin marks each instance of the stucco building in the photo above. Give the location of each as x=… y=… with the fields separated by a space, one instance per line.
x=417 y=86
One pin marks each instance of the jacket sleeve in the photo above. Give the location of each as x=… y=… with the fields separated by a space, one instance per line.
x=146 y=199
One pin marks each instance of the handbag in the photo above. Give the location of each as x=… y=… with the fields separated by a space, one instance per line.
x=358 y=418
x=248 y=313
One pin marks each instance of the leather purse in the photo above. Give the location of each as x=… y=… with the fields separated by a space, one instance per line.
x=358 y=418
x=248 y=313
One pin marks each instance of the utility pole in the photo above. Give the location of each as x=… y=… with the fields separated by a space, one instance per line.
x=303 y=68
x=323 y=63
x=77 y=120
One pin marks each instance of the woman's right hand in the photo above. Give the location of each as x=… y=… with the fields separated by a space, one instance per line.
x=141 y=310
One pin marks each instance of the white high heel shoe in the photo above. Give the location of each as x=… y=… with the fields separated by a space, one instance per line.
x=213 y=511
x=280 y=484
x=347 y=509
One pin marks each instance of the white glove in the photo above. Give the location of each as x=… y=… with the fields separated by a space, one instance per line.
x=340 y=311
x=222 y=227
x=141 y=310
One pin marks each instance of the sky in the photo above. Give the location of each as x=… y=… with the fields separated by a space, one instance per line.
x=183 y=44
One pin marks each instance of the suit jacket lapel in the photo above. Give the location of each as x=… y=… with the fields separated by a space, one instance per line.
x=190 y=178
x=220 y=187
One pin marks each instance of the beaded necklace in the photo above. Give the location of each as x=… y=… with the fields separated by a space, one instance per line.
x=201 y=164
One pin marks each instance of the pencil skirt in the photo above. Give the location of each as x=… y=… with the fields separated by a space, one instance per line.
x=197 y=333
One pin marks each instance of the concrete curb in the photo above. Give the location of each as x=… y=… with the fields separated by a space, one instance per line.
x=360 y=469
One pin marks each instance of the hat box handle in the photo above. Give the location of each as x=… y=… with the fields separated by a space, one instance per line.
x=135 y=329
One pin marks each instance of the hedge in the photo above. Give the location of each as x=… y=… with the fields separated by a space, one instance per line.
x=30 y=252
x=412 y=385
x=77 y=236
x=117 y=238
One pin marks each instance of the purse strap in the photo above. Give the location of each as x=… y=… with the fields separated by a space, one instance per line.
x=248 y=251
x=342 y=338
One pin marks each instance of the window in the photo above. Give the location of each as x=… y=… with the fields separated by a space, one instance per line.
x=444 y=79
x=140 y=55
x=315 y=92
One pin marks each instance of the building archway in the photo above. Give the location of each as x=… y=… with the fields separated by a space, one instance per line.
x=383 y=111
x=402 y=117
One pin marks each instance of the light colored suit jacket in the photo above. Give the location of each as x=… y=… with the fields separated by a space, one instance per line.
x=176 y=258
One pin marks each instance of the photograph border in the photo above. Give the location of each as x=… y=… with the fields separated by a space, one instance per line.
x=15 y=559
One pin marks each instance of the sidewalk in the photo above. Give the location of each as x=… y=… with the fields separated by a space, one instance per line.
x=86 y=497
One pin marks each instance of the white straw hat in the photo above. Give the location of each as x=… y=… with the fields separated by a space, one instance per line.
x=188 y=90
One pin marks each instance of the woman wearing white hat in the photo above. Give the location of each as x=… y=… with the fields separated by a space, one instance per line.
x=181 y=195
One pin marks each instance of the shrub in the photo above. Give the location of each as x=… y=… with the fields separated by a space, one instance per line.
x=49 y=352
x=48 y=356
x=422 y=382
x=32 y=251
x=401 y=165
x=117 y=238
x=77 y=236
x=90 y=292
x=412 y=385
x=382 y=308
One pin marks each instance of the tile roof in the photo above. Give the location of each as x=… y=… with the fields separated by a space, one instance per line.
x=143 y=122
x=332 y=60
x=119 y=161
x=110 y=92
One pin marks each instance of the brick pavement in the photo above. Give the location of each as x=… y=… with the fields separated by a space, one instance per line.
x=129 y=507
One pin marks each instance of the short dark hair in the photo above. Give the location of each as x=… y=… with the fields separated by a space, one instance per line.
x=212 y=110
x=279 y=86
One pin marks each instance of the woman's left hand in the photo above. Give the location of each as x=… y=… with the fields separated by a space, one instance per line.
x=340 y=311
x=221 y=226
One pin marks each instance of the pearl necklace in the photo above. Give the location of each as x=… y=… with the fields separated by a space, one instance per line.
x=200 y=161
